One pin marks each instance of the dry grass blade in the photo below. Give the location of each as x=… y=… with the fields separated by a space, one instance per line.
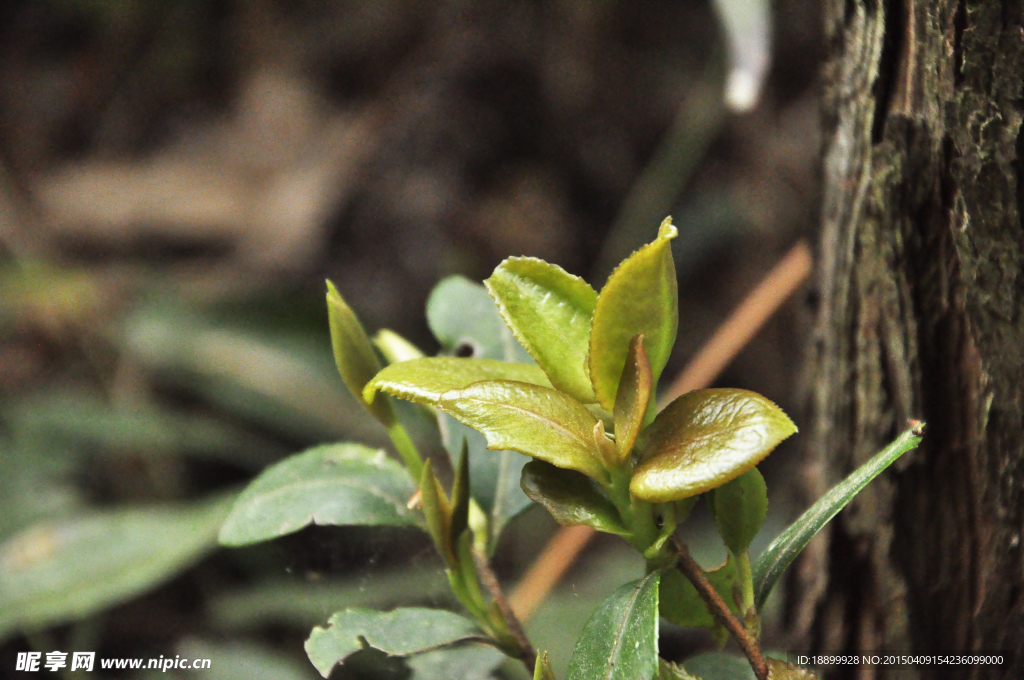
x=742 y=325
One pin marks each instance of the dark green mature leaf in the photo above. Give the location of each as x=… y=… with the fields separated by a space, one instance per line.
x=333 y=484
x=62 y=570
x=570 y=497
x=353 y=353
x=682 y=604
x=426 y=380
x=401 y=632
x=704 y=439
x=640 y=297
x=462 y=316
x=784 y=549
x=549 y=311
x=740 y=507
x=634 y=397
x=470 y=661
x=538 y=421
x=620 y=641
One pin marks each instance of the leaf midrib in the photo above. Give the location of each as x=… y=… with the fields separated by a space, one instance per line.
x=617 y=644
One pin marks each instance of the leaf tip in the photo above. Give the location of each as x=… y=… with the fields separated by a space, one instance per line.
x=667 y=230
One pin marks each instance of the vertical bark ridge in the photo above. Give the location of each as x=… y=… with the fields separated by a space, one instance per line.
x=922 y=291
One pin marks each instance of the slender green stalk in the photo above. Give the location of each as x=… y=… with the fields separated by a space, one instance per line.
x=406 y=448
x=745 y=578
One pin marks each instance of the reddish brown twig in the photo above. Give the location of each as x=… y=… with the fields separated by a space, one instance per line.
x=720 y=610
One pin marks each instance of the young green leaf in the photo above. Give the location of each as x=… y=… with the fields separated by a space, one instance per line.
x=493 y=475
x=333 y=484
x=460 y=496
x=640 y=297
x=71 y=568
x=354 y=354
x=425 y=380
x=620 y=641
x=549 y=311
x=438 y=511
x=401 y=632
x=570 y=497
x=463 y=317
x=682 y=604
x=739 y=508
x=633 y=397
x=704 y=439
x=538 y=421
x=784 y=549
x=394 y=347
x=542 y=669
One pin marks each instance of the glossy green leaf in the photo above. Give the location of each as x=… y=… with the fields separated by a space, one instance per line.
x=353 y=353
x=465 y=320
x=549 y=312
x=67 y=569
x=463 y=317
x=740 y=507
x=438 y=512
x=682 y=604
x=426 y=380
x=460 y=496
x=633 y=398
x=395 y=348
x=720 y=666
x=570 y=497
x=333 y=484
x=620 y=641
x=538 y=421
x=640 y=297
x=704 y=439
x=670 y=671
x=784 y=549
x=401 y=632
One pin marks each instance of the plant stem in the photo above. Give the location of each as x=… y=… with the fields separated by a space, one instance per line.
x=748 y=611
x=524 y=650
x=720 y=609
x=406 y=448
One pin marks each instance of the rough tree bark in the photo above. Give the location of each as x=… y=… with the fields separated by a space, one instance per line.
x=921 y=316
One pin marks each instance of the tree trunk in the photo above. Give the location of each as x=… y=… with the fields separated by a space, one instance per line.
x=921 y=317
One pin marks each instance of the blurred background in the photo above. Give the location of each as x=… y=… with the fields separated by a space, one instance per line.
x=178 y=178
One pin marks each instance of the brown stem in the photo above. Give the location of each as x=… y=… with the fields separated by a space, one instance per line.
x=720 y=610
x=525 y=650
